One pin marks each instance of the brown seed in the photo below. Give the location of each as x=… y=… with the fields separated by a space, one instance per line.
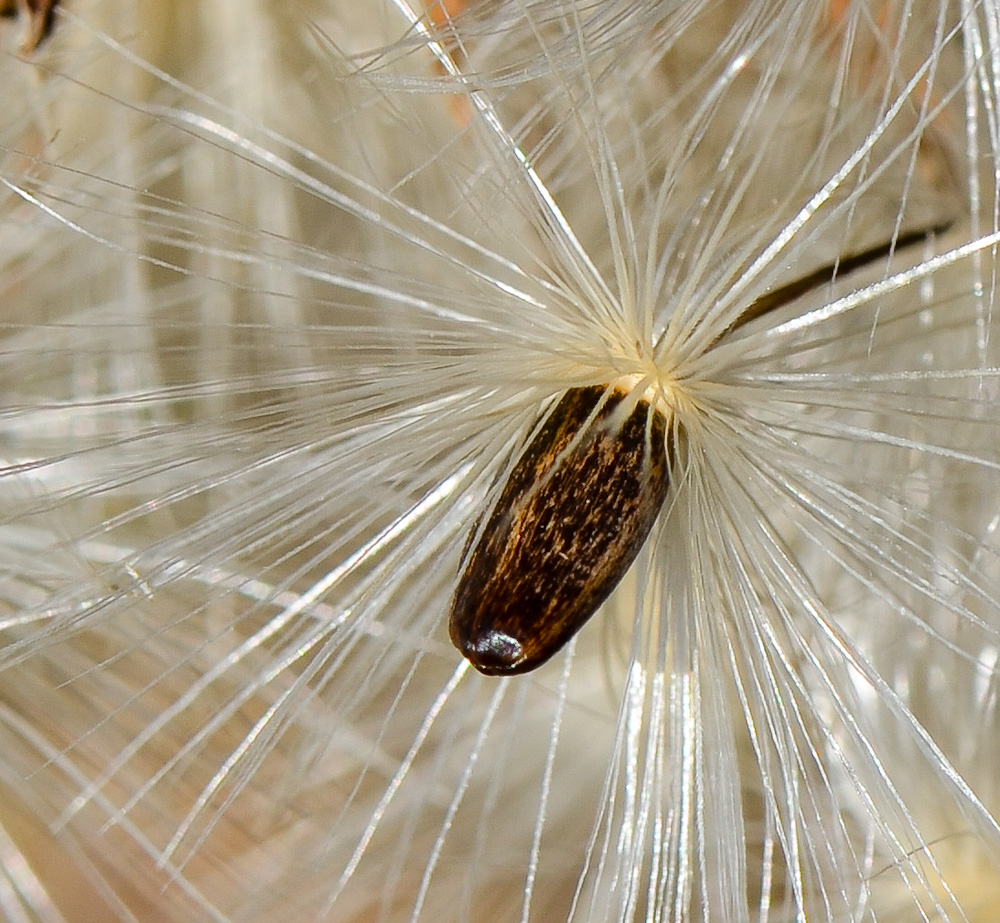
x=573 y=515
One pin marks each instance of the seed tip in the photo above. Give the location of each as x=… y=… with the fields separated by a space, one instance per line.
x=494 y=653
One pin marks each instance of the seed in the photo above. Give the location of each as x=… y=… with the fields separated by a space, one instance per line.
x=573 y=515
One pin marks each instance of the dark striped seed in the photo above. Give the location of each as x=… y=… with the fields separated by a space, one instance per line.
x=571 y=518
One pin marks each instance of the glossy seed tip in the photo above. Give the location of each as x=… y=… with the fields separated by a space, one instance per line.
x=571 y=518
x=492 y=652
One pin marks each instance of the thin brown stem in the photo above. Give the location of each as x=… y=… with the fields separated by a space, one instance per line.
x=826 y=274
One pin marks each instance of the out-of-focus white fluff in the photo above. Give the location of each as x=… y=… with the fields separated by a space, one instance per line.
x=283 y=286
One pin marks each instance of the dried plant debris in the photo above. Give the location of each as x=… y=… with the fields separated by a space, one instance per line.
x=39 y=16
